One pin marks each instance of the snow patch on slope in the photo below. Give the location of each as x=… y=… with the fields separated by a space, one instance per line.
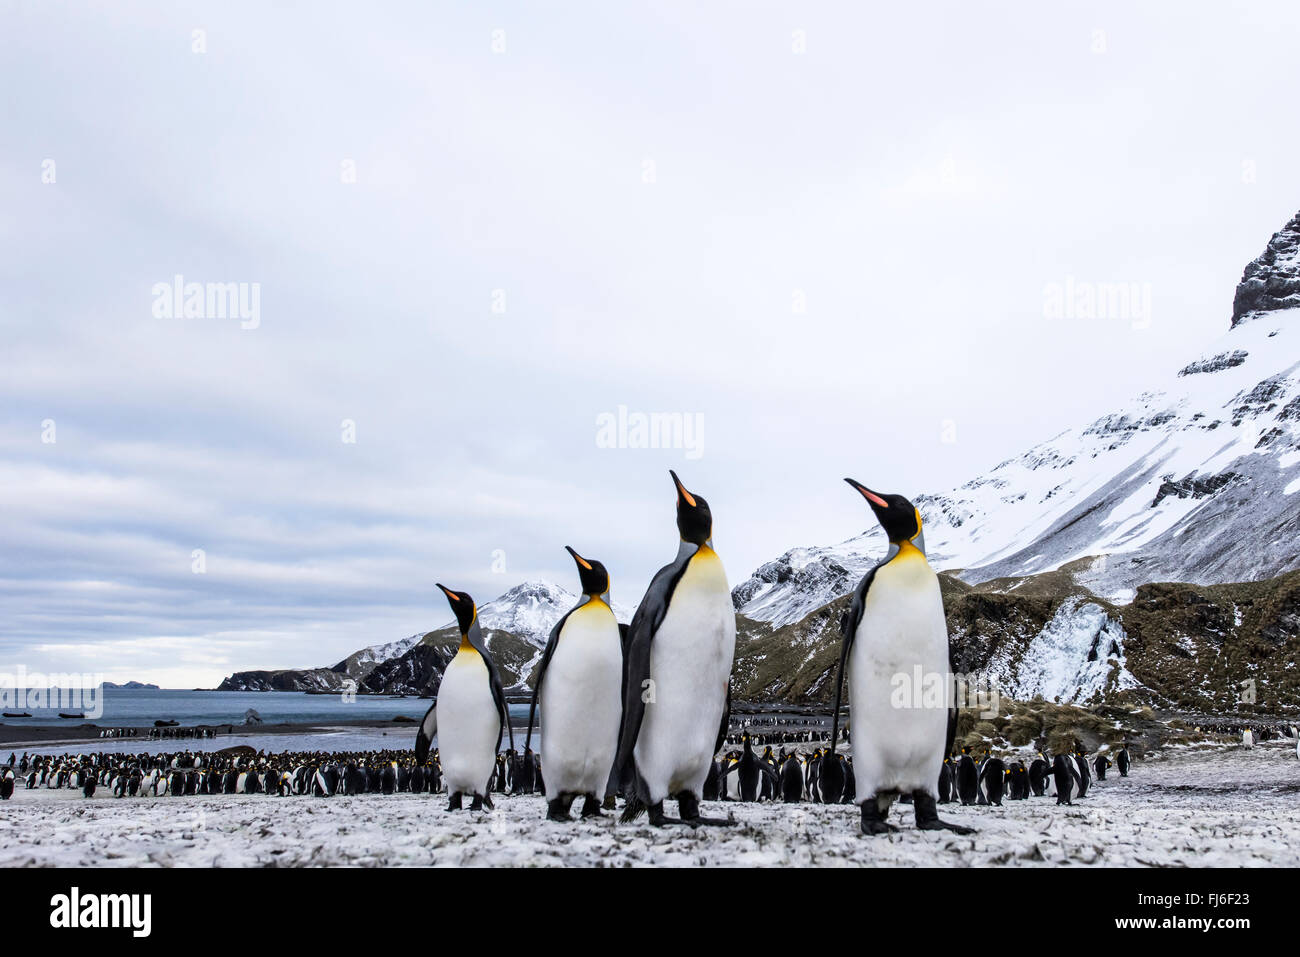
x=1078 y=654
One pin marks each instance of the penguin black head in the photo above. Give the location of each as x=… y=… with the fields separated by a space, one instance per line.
x=897 y=516
x=592 y=574
x=462 y=605
x=694 y=520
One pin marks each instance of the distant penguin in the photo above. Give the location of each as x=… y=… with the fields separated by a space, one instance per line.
x=1019 y=779
x=1122 y=762
x=992 y=780
x=769 y=782
x=713 y=783
x=681 y=643
x=580 y=688
x=792 y=780
x=1084 y=778
x=945 y=782
x=750 y=770
x=1039 y=770
x=88 y=785
x=831 y=778
x=522 y=770
x=1100 y=765
x=1063 y=776
x=967 y=779
x=469 y=714
x=325 y=781
x=895 y=625
x=1248 y=738
x=7 y=785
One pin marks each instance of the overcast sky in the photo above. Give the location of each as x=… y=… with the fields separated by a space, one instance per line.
x=824 y=229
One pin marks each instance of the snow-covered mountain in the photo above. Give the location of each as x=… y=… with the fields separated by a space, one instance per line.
x=531 y=609
x=521 y=618
x=360 y=663
x=1195 y=480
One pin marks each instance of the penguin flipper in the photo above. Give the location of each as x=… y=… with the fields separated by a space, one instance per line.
x=848 y=631
x=636 y=674
x=952 y=711
x=476 y=639
x=424 y=737
x=636 y=664
x=551 y=642
x=726 y=720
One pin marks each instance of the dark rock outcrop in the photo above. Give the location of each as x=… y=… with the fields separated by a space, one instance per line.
x=1271 y=281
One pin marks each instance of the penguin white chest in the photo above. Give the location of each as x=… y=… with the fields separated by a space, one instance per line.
x=690 y=664
x=899 y=680
x=581 y=703
x=468 y=724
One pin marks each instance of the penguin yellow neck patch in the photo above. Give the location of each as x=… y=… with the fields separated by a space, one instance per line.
x=465 y=646
x=907 y=552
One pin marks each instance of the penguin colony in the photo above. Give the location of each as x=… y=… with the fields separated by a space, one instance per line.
x=642 y=711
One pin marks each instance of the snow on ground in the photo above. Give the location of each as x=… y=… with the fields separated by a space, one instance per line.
x=1196 y=808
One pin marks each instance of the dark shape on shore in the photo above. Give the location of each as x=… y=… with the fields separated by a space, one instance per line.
x=79 y=714
x=165 y=724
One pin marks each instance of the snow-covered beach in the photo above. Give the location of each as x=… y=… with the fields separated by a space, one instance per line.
x=1189 y=807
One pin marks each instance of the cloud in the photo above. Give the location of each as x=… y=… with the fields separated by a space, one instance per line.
x=807 y=271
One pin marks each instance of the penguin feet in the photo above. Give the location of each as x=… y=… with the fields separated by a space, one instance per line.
x=927 y=816
x=609 y=803
x=590 y=807
x=454 y=804
x=558 y=809
x=873 y=822
x=688 y=805
x=477 y=803
x=658 y=818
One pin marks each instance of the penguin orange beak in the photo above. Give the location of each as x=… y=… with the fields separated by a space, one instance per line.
x=682 y=494
x=869 y=495
x=578 y=558
x=447 y=591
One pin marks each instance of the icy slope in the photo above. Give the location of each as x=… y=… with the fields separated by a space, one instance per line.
x=1195 y=480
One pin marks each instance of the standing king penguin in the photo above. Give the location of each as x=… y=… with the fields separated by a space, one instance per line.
x=468 y=714
x=896 y=626
x=580 y=686
x=680 y=647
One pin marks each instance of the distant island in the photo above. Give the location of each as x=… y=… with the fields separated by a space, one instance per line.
x=131 y=686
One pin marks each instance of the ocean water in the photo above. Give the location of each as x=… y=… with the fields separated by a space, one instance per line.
x=131 y=708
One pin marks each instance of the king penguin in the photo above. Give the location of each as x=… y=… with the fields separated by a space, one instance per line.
x=896 y=626
x=468 y=713
x=580 y=687
x=680 y=647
